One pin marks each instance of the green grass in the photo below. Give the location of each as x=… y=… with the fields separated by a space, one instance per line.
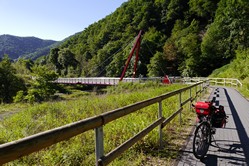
x=80 y=149
x=13 y=108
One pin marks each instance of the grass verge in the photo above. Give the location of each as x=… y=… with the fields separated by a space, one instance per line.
x=80 y=149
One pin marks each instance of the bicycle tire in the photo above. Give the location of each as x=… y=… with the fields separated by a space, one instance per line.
x=202 y=140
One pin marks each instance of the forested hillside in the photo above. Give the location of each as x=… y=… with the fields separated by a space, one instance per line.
x=181 y=37
x=16 y=47
x=238 y=68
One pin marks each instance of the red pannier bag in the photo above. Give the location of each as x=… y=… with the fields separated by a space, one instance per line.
x=203 y=108
x=219 y=118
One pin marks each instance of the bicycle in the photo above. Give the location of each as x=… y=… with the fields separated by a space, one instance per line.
x=209 y=117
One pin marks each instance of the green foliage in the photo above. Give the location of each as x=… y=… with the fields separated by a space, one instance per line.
x=53 y=58
x=182 y=49
x=10 y=84
x=157 y=66
x=66 y=58
x=238 y=68
x=228 y=32
x=23 y=66
x=115 y=67
x=151 y=44
x=176 y=9
x=62 y=59
x=203 y=8
x=19 y=96
x=42 y=86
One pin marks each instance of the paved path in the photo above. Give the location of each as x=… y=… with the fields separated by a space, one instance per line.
x=231 y=146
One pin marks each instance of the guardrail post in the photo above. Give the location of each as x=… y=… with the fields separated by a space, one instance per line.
x=180 y=105
x=190 y=96
x=99 y=143
x=202 y=91
x=199 y=94
x=160 y=114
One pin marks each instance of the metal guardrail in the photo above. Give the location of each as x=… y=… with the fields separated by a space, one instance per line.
x=16 y=149
x=226 y=81
x=214 y=81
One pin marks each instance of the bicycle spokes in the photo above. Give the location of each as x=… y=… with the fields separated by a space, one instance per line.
x=202 y=139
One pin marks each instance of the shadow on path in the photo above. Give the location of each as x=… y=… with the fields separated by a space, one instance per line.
x=240 y=128
x=212 y=160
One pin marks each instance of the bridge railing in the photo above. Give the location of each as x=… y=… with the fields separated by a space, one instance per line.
x=89 y=81
x=16 y=149
x=113 y=80
x=103 y=80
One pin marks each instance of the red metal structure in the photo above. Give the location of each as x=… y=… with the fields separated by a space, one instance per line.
x=166 y=80
x=136 y=48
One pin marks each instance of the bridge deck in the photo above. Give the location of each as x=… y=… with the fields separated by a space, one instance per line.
x=102 y=80
x=231 y=144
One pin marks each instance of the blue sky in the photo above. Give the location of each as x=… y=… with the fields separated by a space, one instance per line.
x=52 y=19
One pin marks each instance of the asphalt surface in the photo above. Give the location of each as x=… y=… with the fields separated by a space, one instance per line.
x=230 y=145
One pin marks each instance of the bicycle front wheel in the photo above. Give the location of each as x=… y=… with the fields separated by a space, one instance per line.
x=202 y=140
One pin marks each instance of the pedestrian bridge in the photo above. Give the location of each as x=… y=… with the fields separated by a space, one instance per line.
x=99 y=80
x=106 y=80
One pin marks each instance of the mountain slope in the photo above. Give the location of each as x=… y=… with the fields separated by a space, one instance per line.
x=181 y=37
x=16 y=47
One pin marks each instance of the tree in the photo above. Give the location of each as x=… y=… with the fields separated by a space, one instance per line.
x=176 y=9
x=53 y=58
x=10 y=84
x=23 y=66
x=203 y=8
x=42 y=87
x=158 y=65
x=66 y=58
x=171 y=55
